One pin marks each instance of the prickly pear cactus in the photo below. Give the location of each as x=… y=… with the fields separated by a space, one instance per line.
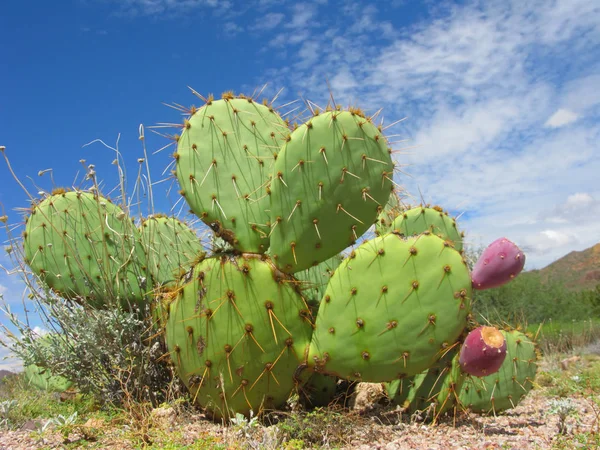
x=391 y=210
x=172 y=247
x=415 y=220
x=506 y=388
x=483 y=351
x=42 y=378
x=319 y=390
x=313 y=281
x=499 y=263
x=237 y=333
x=436 y=388
x=224 y=164
x=391 y=308
x=330 y=180
x=86 y=249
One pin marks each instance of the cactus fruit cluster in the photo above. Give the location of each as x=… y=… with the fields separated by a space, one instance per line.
x=277 y=305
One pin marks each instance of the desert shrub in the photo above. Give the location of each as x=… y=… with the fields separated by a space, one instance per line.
x=107 y=353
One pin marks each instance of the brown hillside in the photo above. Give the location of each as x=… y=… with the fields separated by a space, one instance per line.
x=578 y=270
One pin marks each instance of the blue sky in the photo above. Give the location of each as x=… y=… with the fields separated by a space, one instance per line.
x=502 y=98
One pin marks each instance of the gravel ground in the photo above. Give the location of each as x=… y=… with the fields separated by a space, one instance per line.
x=529 y=426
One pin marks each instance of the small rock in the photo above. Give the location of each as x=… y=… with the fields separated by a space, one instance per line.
x=366 y=396
x=565 y=363
x=165 y=417
x=32 y=425
x=94 y=423
x=68 y=395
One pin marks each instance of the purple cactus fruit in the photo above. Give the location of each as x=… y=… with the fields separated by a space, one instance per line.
x=483 y=352
x=499 y=263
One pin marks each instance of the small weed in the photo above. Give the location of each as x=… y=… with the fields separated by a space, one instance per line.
x=320 y=427
x=564 y=408
x=23 y=402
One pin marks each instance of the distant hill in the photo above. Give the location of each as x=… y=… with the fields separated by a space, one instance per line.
x=5 y=373
x=578 y=270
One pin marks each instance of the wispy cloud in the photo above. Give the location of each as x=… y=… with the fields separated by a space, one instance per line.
x=268 y=22
x=168 y=8
x=561 y=118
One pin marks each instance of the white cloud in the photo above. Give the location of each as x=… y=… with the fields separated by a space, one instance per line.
x=548 y=239
x=231 y=29
x=169 y=8
x=302 y=16
x=582 y=93
x=39 y=331
x=8 y=361
x=268 y=21
x=561 y=118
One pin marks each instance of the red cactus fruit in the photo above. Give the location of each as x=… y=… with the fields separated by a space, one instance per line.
x=483 y=352
x=499 y=263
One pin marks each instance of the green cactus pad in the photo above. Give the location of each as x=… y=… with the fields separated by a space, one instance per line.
x=330 y=181
x=391 y=210
x=86 y=248
x=506 y=388
x=172 y=248
x=438 y=385
x=42 y=378
x=237 y=333
x=320 y=390
x=423 y=218
x=313 y=281
x=391 y=308
x=224 y=162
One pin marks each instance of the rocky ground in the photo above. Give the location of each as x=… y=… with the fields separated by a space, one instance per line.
x=529 y=426
x=536 y=423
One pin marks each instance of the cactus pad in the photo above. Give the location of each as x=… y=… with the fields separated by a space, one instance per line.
x=330 y=181
x=391 y=309
x=439 y=385
x=42 y=378
x=423 y=218
x=506 y=388
x=313 y=281
x=86 y=248
x=237 y=333
x=391 y=210
x=172 y=248
x=224 y=160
